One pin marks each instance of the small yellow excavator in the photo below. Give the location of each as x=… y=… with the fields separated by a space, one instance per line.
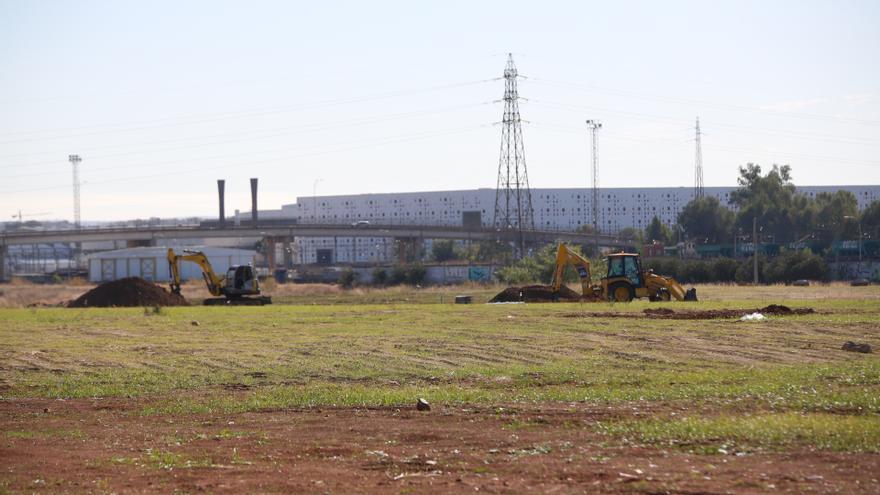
x=625 y=280
x=239 y=283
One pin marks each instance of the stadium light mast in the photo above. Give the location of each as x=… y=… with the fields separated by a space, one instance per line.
x=594 y=126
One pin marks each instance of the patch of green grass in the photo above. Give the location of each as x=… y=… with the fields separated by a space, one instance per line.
x=45 y=434
x=772 y=431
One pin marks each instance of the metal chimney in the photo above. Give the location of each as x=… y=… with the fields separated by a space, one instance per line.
x=254 y=202
x=221 y=191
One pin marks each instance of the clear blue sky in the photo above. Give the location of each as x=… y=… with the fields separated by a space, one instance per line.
x=162 y=98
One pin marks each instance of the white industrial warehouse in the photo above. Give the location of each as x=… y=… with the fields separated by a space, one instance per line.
x=554 y=209
x=151 y=263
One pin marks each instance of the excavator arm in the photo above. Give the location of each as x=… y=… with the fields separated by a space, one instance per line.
x=565 y=256
x=213 y=282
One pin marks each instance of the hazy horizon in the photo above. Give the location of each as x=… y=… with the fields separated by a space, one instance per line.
x=162 y=99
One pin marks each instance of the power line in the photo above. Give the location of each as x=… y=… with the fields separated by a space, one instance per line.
x=372 y=144
x=727 y=106
x=170 y=122
x=277 y=132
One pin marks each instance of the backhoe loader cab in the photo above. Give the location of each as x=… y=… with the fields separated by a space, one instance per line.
x=627 y=280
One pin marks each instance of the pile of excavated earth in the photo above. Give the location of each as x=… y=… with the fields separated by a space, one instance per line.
x=709 y=314
x=127 y=292
x=536 y=293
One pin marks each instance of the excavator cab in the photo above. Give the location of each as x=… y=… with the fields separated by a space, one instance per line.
x=241 y=280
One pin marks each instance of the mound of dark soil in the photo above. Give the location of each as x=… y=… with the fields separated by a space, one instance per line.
x=536 y=293
x=127 y=292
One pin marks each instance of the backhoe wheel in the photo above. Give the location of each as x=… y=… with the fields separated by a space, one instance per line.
x=620 y=292
x=663 y=295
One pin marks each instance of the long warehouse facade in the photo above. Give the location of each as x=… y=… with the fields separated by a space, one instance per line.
x=554 y=209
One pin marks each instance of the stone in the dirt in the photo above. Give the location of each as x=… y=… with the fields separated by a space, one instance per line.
x=422 y=405
x=854 y=347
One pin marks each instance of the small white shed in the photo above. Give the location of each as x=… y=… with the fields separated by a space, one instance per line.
x=151 y=263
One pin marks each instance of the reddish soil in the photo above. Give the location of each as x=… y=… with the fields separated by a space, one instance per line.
x=671 y=314
x=536 y=293
x=107 y=446
x=127 y=292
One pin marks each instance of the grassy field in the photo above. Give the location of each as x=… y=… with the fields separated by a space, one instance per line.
x=709 y=386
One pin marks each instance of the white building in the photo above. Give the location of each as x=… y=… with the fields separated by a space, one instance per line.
x=151 y=263
x=555 y=209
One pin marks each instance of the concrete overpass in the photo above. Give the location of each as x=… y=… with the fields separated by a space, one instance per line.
x=272 y=232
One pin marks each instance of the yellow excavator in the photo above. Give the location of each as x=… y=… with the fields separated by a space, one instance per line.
x=626 y=279
x=235 y=288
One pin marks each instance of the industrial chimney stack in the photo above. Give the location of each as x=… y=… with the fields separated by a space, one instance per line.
x=254 y=202
x=221 y=191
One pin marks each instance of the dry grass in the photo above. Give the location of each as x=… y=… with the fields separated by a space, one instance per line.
x=22 y=293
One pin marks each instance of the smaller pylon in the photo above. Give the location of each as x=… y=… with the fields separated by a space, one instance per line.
x=698 y=163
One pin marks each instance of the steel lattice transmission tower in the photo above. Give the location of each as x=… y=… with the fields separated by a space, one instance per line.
x=74 y=160
x=513 y=198
x=594 y=126
x=698 y=164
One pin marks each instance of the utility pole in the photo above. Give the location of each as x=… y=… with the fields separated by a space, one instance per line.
x=755 y=242
x=513 y=197
x=698 y=164
x=594 y=126
x=75 y=160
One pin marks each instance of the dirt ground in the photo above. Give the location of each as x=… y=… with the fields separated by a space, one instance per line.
x=94 y=445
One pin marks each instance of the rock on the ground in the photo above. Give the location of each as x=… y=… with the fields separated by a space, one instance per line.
x=856 y=347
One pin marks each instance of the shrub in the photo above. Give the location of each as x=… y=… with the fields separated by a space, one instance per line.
x=724 y=270
x=398 y=275
x=347 y=278
x=415 y=275
x=380 y=276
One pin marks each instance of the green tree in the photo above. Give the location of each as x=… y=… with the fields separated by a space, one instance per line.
x=769 y=198
x=870 y=219
x=657 y=231
x=706 y=220
x=832 y=211
x=443 y=250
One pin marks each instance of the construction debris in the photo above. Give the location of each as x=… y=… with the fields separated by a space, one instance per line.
x=127 y=292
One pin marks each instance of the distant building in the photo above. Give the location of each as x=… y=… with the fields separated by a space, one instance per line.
x=151 y=263
x=555 y=209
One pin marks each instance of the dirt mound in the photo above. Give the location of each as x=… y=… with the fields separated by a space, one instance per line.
x=127 y=292
x=536 y=293
x=710 y=314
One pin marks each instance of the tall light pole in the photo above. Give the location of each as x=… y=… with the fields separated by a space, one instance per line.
x=594 y=126
x=315 y=199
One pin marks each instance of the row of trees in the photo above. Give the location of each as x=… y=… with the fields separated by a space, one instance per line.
x=783 y=214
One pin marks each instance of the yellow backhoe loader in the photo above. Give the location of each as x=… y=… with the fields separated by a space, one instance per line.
x=235 y=288
x=624 y=281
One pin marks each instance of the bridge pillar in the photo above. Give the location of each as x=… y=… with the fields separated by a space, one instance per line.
x=3 y=252
x=408 y=249
x=287 y=251
x=270 y=254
